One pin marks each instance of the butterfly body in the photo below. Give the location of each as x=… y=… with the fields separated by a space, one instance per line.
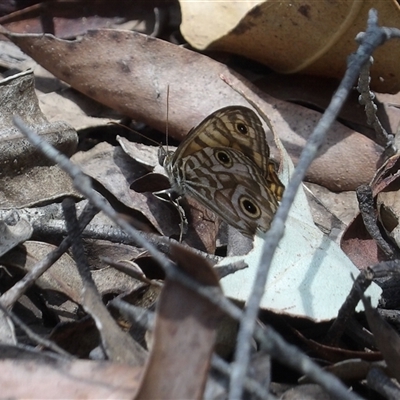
x=224 y=164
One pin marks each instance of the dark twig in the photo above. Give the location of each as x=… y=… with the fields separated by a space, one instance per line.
x=368 y=214
x=347 y=310
x=45 y=227
x=370 y=40
x=360 y=335
x=385 y=269
x=367 y=99
x=388 y=274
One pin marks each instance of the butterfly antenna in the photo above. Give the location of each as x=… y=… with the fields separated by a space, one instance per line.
x=166 y=127
x=132 y=130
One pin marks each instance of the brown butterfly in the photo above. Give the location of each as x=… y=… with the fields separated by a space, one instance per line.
x=224 y=164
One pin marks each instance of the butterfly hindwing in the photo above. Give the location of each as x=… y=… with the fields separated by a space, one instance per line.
x=238 y=191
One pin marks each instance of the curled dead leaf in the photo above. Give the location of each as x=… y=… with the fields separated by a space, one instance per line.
x=312 y=37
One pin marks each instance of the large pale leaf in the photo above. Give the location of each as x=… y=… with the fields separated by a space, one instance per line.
x=310 y=276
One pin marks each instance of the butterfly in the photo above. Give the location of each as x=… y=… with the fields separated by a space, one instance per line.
x=224 y=163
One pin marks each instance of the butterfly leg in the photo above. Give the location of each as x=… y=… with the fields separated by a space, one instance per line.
x=171 y=197
x=183 y=225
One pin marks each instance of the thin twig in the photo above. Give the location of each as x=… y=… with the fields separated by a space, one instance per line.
x=381 y=383
x=251 y=385
x=142 y=317
x=366 y=99
x=347 y=310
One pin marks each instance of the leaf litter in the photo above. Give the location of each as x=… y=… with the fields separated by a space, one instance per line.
x=179 y=341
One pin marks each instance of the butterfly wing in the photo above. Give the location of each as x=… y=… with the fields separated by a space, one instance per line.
x=274 y=183
x=224 y=164
x=225 y=181
x=236 y=127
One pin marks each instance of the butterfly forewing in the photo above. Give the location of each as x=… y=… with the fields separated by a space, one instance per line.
x=234 y=127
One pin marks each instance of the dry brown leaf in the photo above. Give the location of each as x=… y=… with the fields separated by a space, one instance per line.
x=63 y=276
x=389 y=213
x=183 y=337
x=97 y=250
x=26 y=176
x=345 y=160
x=77 y=110
x=116 y=171
x=313 y=37
x=203 y=227
x=7 y=330
x=391 y=103
x=113 y=68
x=145 y=155
x=336 y=354
x=356 y=241
x=12 y=235
x=74 y=19
x=359 y=246
x=342 y=205
x=315 y=92
x=78 y=379
x=385 y=187
x=57 y=101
